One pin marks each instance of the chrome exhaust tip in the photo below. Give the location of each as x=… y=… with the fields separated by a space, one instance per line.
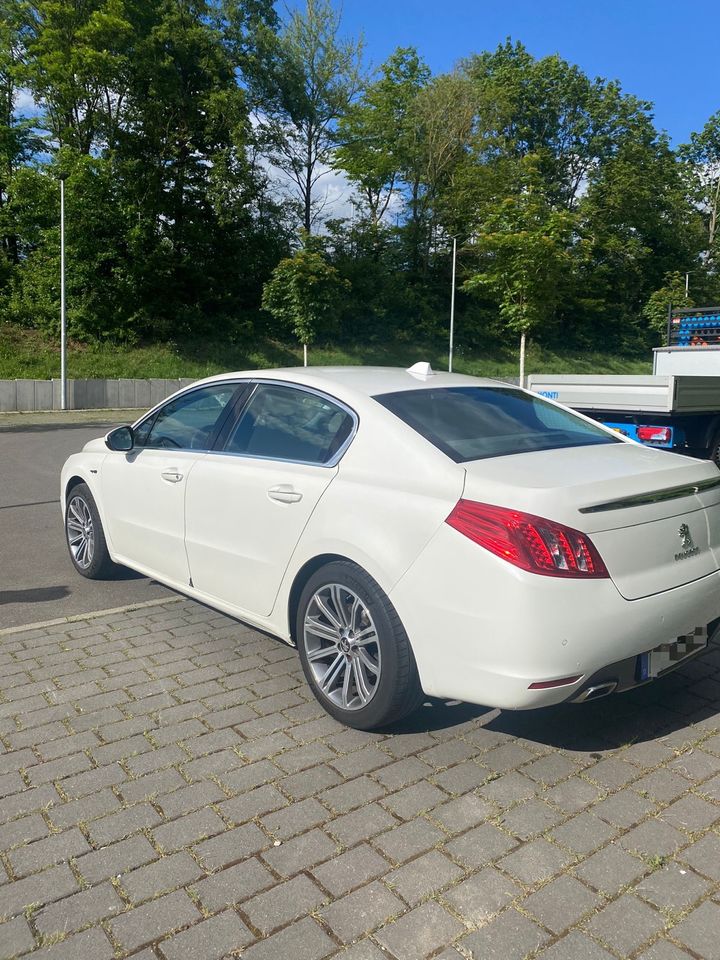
x=595 y=692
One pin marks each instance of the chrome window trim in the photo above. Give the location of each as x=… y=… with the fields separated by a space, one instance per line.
x=655 y=496
x=329 y=464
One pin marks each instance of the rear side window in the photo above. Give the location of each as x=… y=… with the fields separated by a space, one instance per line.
x=282 y=423
x=472 y=423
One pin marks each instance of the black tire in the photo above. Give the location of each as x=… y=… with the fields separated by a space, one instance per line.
x=714 y=451
x=91 y=558
x=396 y=690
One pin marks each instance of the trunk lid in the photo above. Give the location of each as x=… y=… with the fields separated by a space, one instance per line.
x=653 y=516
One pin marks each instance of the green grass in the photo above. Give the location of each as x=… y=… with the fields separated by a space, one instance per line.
x=32 y=355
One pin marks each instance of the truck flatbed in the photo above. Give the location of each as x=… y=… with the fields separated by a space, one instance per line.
x=677 y=408
x=631 y=394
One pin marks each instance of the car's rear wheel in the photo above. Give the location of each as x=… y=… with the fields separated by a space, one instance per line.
x=354 y=650
x=85 y=536
x=715 y=451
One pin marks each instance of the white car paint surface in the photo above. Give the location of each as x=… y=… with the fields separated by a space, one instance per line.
x=240 y=527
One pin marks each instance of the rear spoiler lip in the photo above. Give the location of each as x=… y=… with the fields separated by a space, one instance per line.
x=654 y=496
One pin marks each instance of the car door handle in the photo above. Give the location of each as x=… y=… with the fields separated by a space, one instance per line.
x=284 y=493
x=172 y=475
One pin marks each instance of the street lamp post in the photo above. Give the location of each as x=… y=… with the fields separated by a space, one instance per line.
x=452 y=308
x=63 y=324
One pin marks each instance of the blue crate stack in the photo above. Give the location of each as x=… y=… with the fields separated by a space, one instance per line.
x=697 y=329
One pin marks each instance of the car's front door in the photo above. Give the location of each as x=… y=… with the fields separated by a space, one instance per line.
x=247 y=504
x=143 y=491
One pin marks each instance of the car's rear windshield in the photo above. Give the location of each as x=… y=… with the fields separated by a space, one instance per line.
x=472 y=423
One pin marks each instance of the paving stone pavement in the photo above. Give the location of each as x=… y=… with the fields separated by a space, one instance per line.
x=170 y=790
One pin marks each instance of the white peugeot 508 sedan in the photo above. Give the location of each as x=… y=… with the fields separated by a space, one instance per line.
x=411 y=531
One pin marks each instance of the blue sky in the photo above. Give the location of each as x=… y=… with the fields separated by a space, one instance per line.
x=662 y=51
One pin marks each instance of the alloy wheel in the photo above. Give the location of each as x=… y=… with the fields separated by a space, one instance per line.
x=80 y=532
x=342 y=646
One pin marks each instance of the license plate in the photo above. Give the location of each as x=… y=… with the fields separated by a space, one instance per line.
x=669 y=655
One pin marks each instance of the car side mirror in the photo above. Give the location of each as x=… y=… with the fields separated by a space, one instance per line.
x=121 y=438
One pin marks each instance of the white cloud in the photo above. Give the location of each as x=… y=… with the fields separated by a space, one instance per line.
x=25 y=105
x=334 y=192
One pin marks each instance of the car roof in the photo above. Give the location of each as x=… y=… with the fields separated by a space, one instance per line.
x=368 y=381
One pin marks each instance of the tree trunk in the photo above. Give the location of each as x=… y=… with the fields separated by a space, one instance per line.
x=522 y=360
x=304 y=354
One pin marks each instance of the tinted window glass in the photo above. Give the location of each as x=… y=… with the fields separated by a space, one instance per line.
x=287 y=424
x=188 y=421
x=471 y=423
x=142 y=431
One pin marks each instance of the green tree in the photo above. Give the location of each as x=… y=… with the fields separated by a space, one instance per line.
x=552 y=110
x=304 y=293
x=525 y=255
x=703 y=156
x=376 y=135
x=598 y=156
x=573 y=213
x=79 y=60
x=306 y=86
x=672 y=292
x=18 y=141
x=639 y=225
x=443 y=116
x=249 y=29
x=101 y=299
x=180 y=225
x=184 y=164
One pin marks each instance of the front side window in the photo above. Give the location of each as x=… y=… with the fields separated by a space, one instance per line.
x=282 y=423
x=472 y=423
x=188 y=421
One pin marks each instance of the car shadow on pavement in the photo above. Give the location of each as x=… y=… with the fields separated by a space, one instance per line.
x=33 y=595
x=657 y=710
x=434 y=715
x=670 y=704
x=125 y=573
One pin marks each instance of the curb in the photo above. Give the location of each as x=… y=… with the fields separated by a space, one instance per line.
x=7 y=631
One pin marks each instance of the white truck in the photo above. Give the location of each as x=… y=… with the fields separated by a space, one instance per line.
x=676 y=408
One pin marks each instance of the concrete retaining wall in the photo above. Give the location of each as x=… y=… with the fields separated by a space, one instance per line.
x=24 y=396
x=28 y=395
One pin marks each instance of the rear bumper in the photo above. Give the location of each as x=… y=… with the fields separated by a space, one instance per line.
x=483 y=631
x=626 y=675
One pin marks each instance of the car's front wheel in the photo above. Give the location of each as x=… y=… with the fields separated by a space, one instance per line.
x=85 y=536
x=354 y=650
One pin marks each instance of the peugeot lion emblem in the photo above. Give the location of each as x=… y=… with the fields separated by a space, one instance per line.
x=686 y=541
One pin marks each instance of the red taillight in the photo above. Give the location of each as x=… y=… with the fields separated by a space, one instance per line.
x=654 y=434
x=527 y=541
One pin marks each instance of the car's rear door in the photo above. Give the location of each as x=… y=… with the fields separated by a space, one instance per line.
x=248 y=503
